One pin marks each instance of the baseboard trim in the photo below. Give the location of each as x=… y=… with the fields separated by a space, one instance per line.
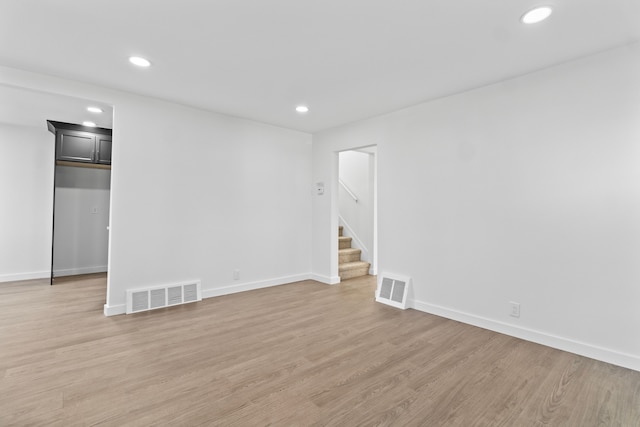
x=80 y=270
x=243 y=287
x=583 y=349
x=325 y=279
x=16 y=277
x=114 y=310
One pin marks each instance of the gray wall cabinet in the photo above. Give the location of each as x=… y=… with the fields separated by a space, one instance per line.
x=76 y=143
x=103 y=146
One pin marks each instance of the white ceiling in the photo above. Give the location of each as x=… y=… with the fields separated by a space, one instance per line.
x=345 y=59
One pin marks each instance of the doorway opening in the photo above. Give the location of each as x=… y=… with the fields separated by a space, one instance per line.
x=357 y=213
x=27 y=177
x=81 y=220
x=81 y=199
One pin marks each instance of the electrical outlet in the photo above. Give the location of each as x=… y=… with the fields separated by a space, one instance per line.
x=515 y=309
x=236 y=274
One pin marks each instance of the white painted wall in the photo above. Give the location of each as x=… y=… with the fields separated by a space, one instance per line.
x=26 y=200
x=527 y=191
x=81 y=219
x=214 y=194
x=356 y=170
x=196 y=195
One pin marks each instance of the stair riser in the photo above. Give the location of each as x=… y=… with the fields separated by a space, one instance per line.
x=349 y=257
x=354 y=273
x=344 y=244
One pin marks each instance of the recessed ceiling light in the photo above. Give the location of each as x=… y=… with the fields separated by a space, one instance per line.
x=302 y=109
x=90 y=124
x=536 y=15
x=140 y=62
x=94 y=109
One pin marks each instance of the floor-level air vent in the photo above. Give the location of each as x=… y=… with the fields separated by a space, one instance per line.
x=162 y=296
x=392 y=290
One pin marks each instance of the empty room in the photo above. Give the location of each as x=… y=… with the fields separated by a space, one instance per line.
x=337 y=213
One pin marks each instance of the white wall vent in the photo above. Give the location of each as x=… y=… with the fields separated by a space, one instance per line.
x=163 y=296
x=393 y=290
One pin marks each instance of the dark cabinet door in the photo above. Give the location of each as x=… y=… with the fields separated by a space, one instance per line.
x=103 y=149
x=75 y=146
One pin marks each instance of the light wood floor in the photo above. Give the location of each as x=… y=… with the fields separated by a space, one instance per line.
x=304 y=354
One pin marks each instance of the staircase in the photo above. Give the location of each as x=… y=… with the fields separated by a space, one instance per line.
x=349 y=263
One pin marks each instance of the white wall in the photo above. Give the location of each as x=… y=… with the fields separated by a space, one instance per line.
x=81 y=218
x=356 y=170
x=196 y=195
x=26 y=197
x=213 y=194
x=526 y=191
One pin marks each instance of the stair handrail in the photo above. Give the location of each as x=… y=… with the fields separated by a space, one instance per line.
x=351 y=193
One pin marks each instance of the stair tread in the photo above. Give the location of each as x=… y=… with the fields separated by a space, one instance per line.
x=348 y=251
x=353 y=265
x=344 y=238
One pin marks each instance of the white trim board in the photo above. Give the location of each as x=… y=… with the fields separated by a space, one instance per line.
x=583 y=349
x=80 y=270
x=250 y=286
x=325 y=279
x=114 y=310
x=16 y=277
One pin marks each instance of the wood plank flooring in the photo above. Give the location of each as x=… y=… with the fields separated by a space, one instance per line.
x=303 y=354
